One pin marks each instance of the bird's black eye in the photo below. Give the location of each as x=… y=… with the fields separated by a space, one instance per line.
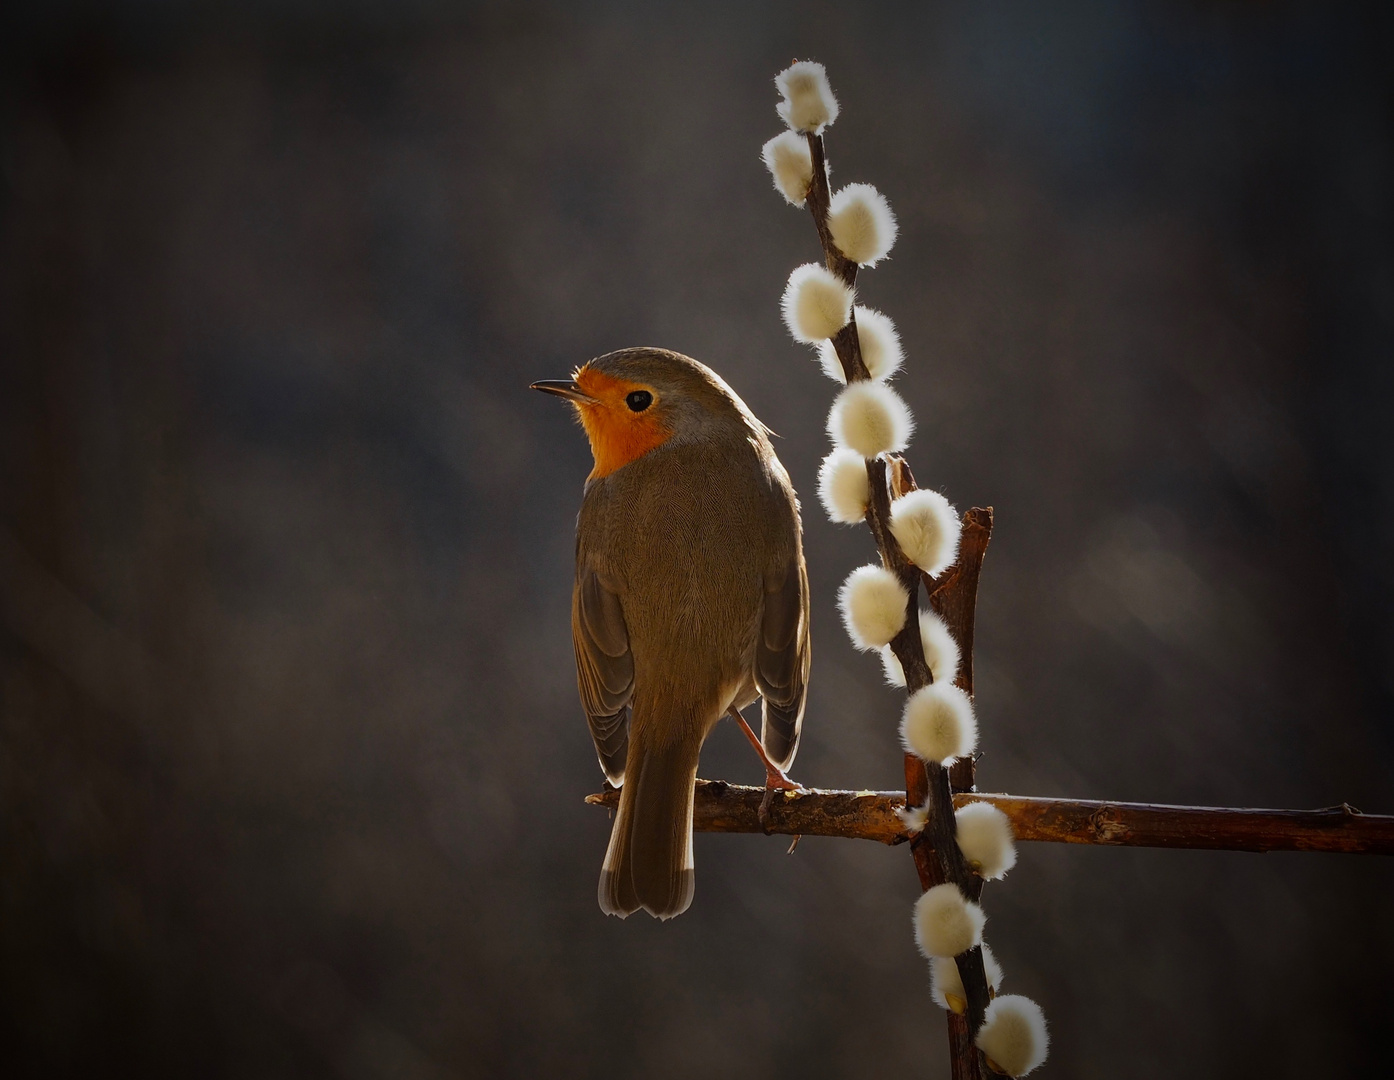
x=639 y=400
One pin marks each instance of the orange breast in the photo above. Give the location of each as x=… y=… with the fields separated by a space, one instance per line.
x=617 y=434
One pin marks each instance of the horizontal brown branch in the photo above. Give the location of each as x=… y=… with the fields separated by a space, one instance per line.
x=871 y=815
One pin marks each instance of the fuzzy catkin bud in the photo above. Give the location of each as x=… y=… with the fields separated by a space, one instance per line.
x=809 y=104
x=861 y=224
x=870 y=418
x=946 y=984
x=938 y=724
x=816 y=303
x=873 y=603
x=927 y=529
x=914 y=818
x=946 y=923
x=790 y=164
x=843 y=487
x=1014 y=1034
x=985 y=838
x=880 y=346
x=940 y=652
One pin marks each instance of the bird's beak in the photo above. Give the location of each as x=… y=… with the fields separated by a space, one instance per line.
x=566 y=388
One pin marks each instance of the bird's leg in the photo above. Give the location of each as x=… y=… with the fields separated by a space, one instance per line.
x=775 y=777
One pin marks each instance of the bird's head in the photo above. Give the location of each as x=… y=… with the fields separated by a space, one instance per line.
x=635 y=400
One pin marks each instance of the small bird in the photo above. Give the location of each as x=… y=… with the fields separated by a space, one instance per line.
x=691 y=598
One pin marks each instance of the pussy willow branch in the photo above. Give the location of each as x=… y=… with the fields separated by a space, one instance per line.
x=954 y=597
x=871 y=815
x=937 y=856
x=935 y=851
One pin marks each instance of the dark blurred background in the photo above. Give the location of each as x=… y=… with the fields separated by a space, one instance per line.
x=291 y=762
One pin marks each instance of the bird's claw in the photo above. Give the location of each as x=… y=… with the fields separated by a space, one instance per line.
x=775 y=777
x=775 y=780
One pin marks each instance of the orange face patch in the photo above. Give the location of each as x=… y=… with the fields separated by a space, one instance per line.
x=618 y=434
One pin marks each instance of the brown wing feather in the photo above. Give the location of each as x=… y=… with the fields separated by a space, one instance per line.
x=782 y=658
x=604 y=668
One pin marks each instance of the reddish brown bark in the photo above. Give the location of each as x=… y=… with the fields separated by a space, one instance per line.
x=871 y=815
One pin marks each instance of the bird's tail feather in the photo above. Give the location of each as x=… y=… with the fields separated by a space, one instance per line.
x=649 y=861
x=779 y=731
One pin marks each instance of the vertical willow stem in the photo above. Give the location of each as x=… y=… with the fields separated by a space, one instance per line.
x=935 y=850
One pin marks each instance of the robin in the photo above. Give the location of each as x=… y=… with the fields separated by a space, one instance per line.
x=690 y=600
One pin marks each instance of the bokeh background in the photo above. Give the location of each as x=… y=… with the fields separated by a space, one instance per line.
x=291 y=762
